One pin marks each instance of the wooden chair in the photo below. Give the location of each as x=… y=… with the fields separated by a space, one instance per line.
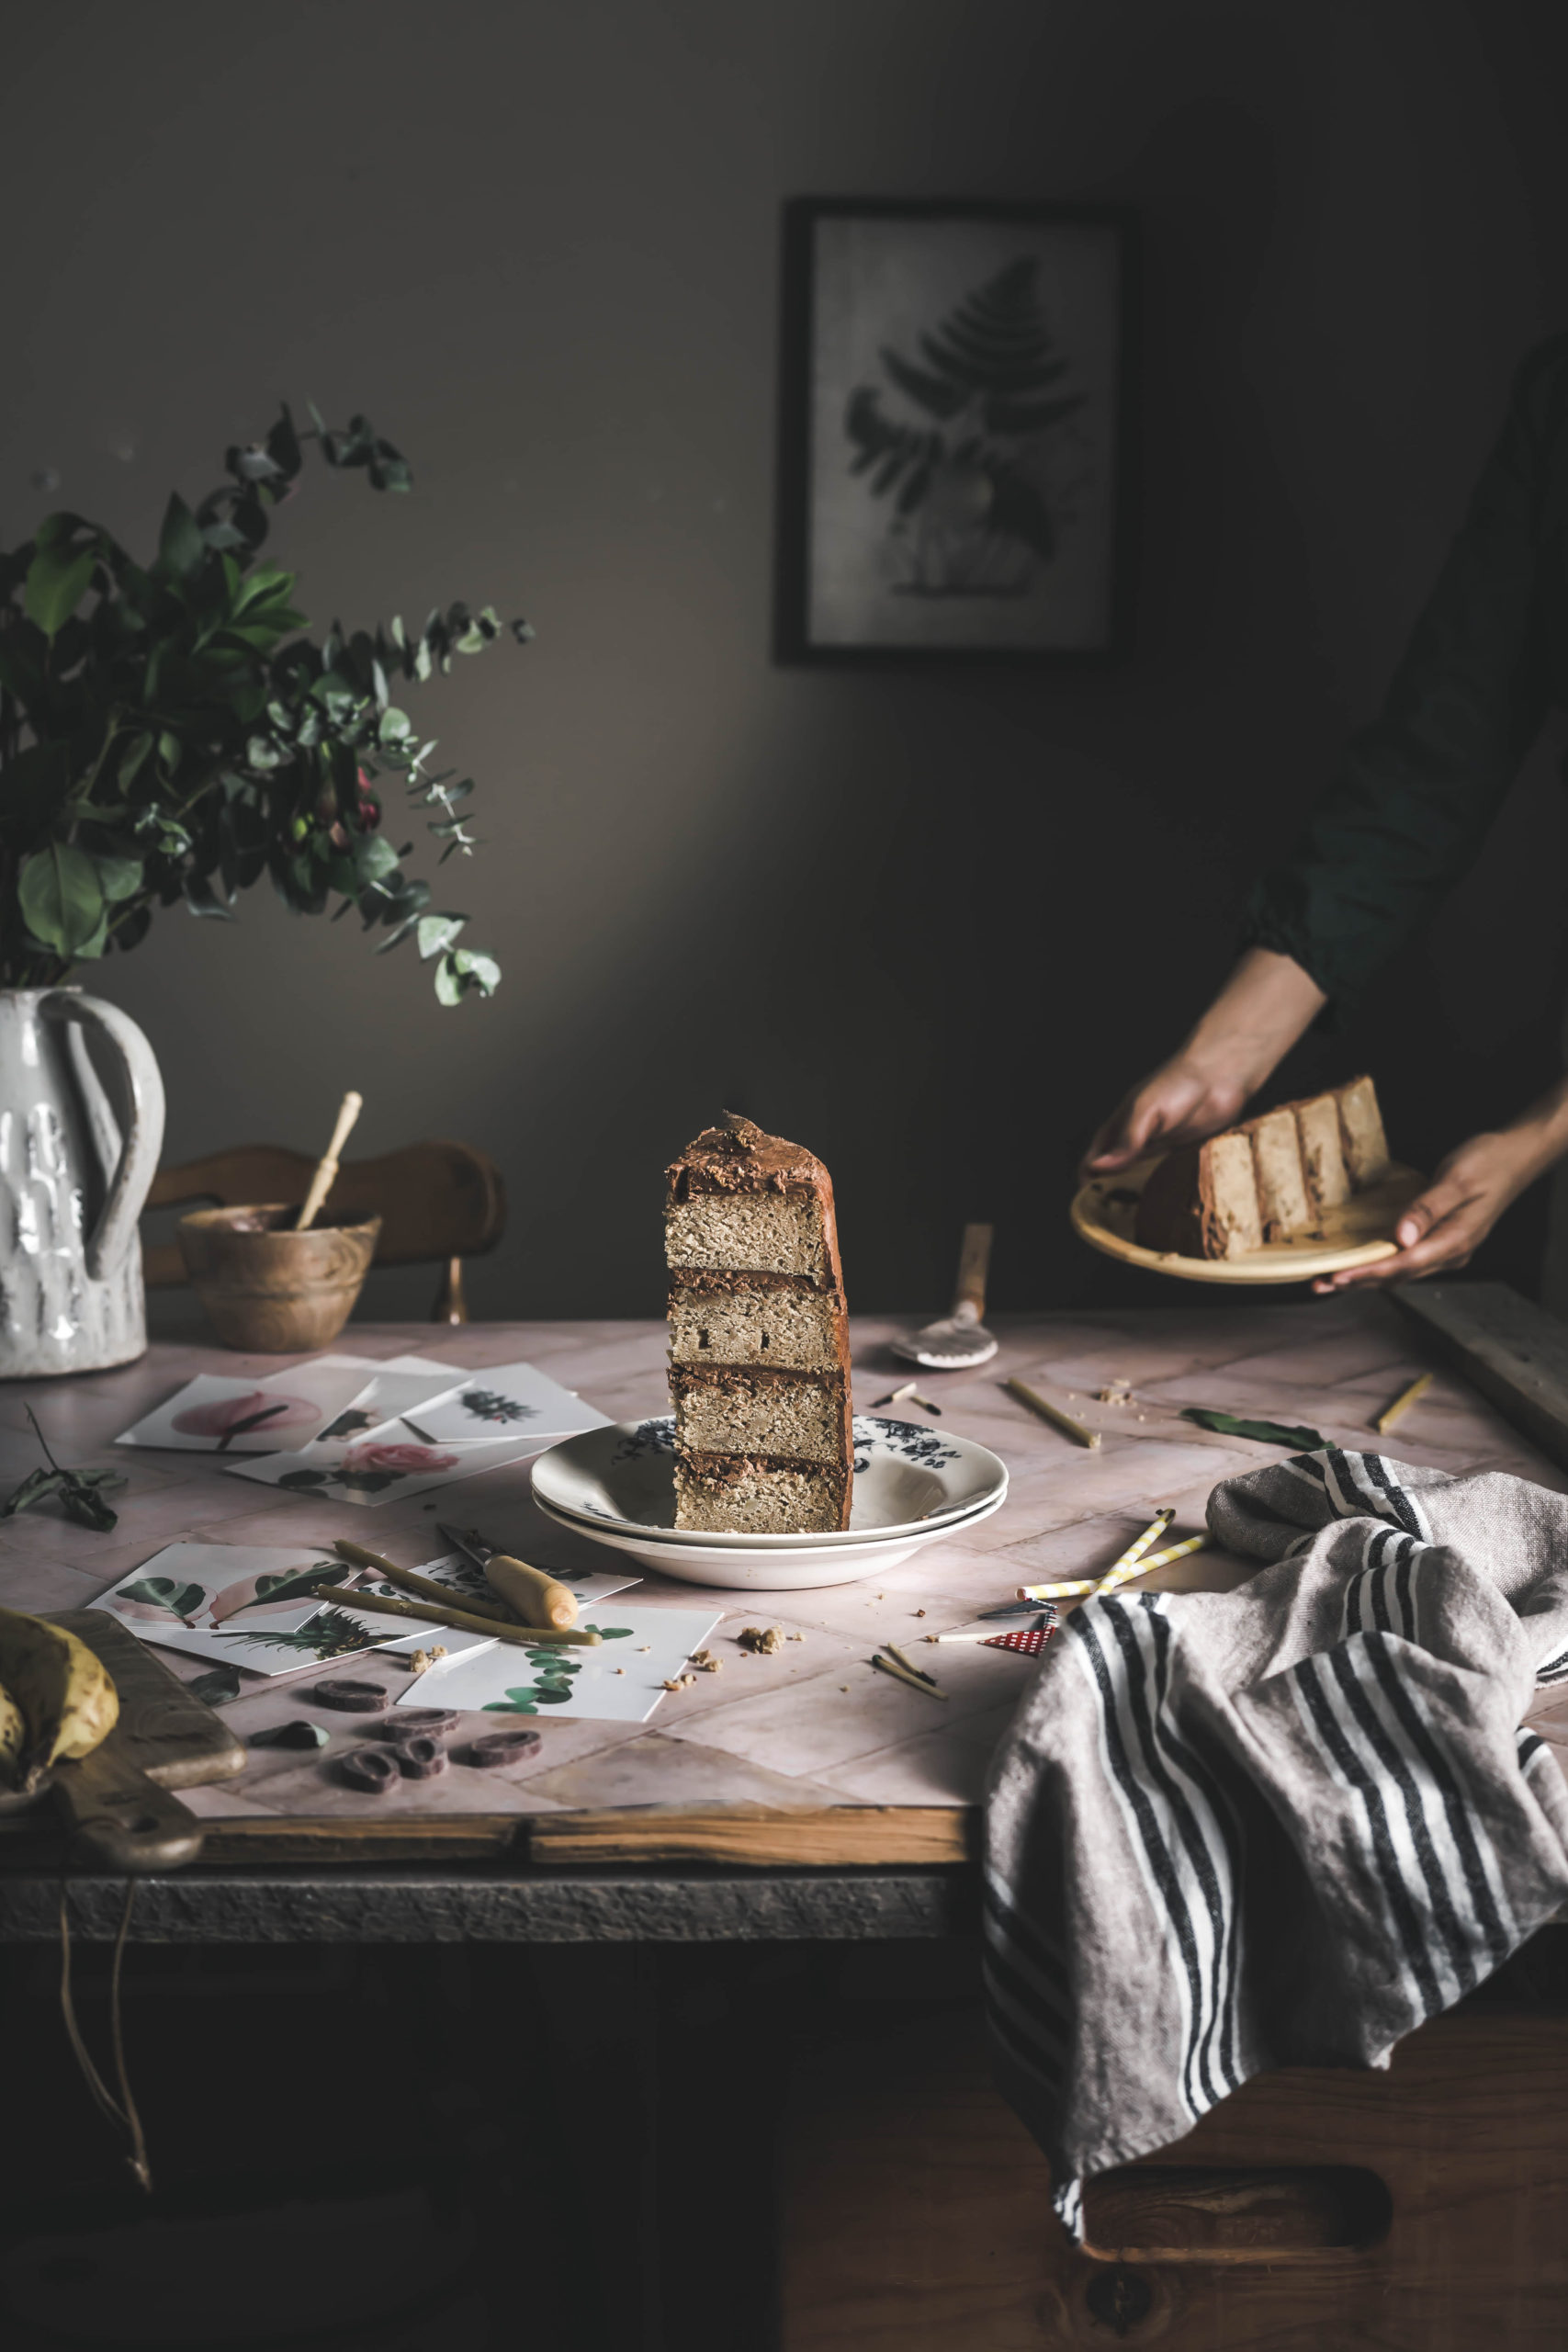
x=438 y=1202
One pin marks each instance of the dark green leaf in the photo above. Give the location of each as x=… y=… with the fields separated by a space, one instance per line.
x=60 y=900
x=181 y=547
x=298 y=1734
x=57 y=581
x=86 y=1507
x=34 y=1488
x=203 y=899
x=1300 y=1440
x=119 y=877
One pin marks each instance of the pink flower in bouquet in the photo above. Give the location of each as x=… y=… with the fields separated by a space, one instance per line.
x=221 y=1418
x=401 y=1459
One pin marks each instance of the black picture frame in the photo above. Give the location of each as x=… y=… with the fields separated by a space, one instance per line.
x=909 y=330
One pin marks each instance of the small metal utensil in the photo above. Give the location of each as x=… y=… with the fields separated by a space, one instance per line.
x=961 y=1338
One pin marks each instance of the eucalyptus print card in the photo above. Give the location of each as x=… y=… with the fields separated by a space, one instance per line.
x=641 y=1653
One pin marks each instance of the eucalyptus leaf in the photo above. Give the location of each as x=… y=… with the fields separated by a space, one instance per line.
x=436 y=932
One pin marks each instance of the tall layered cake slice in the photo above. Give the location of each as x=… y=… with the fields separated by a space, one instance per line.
x=1268 y=1180
x=759 y=1344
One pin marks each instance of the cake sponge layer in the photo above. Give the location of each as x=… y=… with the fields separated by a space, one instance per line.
x=747 y=1233
x=747 y=1412
x=744 y=1497
x=790 y=1324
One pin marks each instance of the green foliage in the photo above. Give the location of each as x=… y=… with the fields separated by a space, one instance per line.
x=330 y=1633
x=168 y=733
x=81 y=1492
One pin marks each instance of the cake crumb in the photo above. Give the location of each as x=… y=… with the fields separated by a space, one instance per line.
x=1116 y=1392
x=795 y=1637
x=843 y=1686
x=764 y=1639
x=919 y=1613
x=423 y=1660
x=617 y=1669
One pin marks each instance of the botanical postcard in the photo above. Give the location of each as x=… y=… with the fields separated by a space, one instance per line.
x=248 y=1605
x=214 y=1415
x=515 y=1400
x=641 y=1652
x=383 y=1465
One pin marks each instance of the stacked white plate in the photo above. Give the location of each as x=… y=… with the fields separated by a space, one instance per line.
x=913 y=1485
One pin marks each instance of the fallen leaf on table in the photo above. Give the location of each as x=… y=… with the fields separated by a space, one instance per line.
x=1300 y=1440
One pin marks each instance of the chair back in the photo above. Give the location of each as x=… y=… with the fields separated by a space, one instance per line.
x=436 y=1201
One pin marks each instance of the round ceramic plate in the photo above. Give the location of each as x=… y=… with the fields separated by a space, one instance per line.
x=909 y=1481
x=1359 y=1234
x=793 y=1563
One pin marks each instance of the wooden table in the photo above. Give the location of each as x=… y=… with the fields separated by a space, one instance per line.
x=855 y=1794
x=802 y=1797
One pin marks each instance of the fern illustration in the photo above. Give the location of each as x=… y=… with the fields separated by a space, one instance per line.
x=995 y=384
x=330 y=1633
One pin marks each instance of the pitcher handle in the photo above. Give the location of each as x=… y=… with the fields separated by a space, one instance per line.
x=112 y=1236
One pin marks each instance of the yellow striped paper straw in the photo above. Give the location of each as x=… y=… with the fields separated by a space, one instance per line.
x=1084 y=1586
x=1135 y=1551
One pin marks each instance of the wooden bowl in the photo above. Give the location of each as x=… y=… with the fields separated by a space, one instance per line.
x=270 y=1291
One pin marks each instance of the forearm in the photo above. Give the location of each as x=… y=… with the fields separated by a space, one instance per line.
x=1263 y=1008
x=1266 y=1005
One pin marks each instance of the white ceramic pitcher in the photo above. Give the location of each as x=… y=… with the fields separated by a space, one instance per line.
x=71 y=1188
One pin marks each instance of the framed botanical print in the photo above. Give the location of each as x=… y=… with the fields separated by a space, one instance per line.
x=954 y=431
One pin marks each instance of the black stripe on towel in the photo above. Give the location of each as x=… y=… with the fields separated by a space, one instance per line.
x=1396 y=1767
x=1457 y=1809
x=1387 y=1861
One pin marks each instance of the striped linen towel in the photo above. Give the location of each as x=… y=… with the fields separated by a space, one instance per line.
x=1278 y=1827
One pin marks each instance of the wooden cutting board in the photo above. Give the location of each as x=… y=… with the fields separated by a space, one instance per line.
x=116 y=1803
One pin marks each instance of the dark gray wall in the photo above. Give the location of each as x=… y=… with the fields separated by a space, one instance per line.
x=538 y=245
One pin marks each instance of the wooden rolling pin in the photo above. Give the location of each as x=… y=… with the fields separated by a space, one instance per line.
x=534 y=1595
x=464 y=1619
x=446 y=1596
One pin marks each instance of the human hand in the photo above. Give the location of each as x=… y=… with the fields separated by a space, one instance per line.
x=1441 y=1230
x=1263 y=1008
x=1179 y=1102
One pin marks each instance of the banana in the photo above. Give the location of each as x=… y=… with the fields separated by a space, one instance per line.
x=67 y=1699
x=13 y=1738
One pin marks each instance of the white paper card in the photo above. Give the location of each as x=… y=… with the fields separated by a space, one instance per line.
x=286 y=1409
x=386 y=1464
x=515 y=1400
x=246 y=1605
x=621 y=1681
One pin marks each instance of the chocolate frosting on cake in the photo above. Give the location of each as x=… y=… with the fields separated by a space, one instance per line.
x=740 y=1157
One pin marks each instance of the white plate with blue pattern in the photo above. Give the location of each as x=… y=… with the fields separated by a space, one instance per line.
x=911 y=1482
x=789 y=1564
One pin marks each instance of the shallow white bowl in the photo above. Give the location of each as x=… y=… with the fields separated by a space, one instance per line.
x=909 y=1481
x=791 y=1565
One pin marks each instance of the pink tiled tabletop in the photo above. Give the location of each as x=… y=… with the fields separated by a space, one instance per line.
x=812 y=1725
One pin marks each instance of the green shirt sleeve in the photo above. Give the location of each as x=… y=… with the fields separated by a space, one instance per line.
x=1417 y=789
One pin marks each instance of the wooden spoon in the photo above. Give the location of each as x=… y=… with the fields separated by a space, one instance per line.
x=326 y=1167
